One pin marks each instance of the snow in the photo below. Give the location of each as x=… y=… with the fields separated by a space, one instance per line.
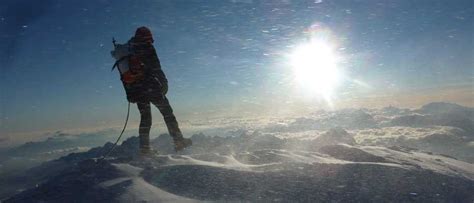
x=290 y=160
x=225 y=161
x=437 y=163
x=340 y=172
x=138 y=190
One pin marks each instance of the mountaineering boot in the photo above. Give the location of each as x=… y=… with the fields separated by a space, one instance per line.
x=179 y=141
x=182 y=143
x=144 y=150
x=147 y=152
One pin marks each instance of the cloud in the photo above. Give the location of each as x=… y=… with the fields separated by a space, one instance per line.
x=58 y=144
x=443 y=128
x=439 y=127
x=397 y=135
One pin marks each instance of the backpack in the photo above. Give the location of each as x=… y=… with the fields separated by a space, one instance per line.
x=130 y=67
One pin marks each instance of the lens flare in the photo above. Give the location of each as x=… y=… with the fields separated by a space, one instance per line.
x=315 y=68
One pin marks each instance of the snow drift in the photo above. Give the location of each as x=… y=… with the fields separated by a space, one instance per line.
x=257 y=167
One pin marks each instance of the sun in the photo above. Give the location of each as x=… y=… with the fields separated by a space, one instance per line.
x=314 y=65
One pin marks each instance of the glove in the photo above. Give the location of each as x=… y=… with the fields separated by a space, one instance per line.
x=162 y=84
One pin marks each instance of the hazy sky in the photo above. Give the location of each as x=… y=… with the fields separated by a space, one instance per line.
x=227 y=56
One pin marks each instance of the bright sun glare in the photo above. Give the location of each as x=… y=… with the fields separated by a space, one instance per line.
x=315 y=67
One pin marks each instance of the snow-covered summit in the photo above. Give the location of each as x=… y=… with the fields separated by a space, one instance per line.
x=237 y=169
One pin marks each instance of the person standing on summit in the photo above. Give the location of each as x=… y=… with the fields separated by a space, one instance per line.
x=146 y=83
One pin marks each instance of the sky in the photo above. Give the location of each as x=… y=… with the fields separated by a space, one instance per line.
x=230 y=57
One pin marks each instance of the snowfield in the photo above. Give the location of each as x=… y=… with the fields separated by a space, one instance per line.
x=337 y=173
x=138 y=190
x=367 y=159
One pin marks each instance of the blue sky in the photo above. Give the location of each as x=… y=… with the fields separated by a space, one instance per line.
x=223 y=56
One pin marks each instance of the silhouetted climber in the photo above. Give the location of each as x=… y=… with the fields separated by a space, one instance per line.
x=146 y=83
